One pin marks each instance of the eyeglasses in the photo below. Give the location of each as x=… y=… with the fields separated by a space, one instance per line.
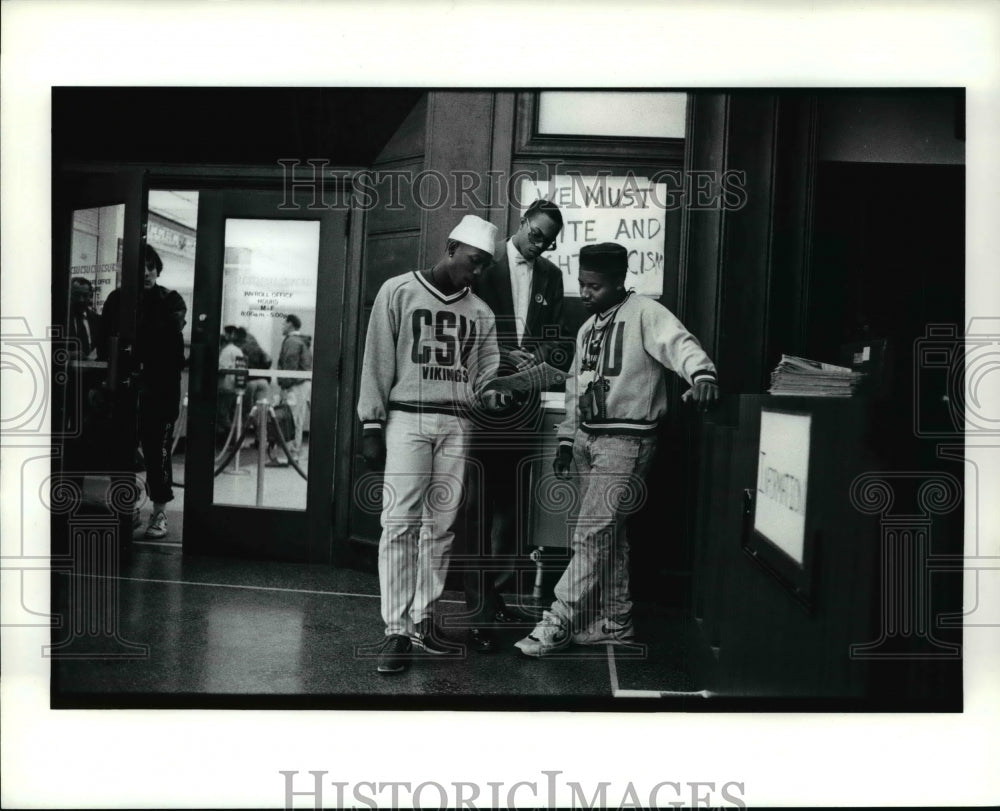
x=536 y=237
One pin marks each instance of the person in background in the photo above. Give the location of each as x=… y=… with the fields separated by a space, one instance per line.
x=226 y=401
x=525 y=292
x=84 y=323
x=256 y=357
x=431 y=349
x=616 y=394
x=296 y=392
x=83 y=401
x=159 y=359
x=257 y=387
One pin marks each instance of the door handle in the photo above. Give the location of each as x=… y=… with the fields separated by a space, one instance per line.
x=119 y=364
x=130 y=373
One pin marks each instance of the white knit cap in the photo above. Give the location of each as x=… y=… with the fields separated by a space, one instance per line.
x=478 y=233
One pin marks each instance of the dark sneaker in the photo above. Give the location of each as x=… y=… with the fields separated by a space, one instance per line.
x=395 y=655
x=483 y=640
x=507 y=615
x=426 y=637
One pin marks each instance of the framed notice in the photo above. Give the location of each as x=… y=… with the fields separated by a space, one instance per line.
x=780 y=534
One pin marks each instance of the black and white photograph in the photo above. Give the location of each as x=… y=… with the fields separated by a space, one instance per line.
x=350 y=416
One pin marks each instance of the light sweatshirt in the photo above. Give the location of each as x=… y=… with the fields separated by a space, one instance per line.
x=629 y=391
x=425 y=351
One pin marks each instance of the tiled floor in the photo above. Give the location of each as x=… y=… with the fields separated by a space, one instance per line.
x=176 y=630
x=202 y=632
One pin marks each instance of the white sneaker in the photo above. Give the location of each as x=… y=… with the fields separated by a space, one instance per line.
x=605 y=632
x=549 y=636
x=157 y=526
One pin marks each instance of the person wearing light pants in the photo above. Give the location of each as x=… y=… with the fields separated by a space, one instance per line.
x=295 y=356
x=422 y=493
x=430 y=350
x=616 y=395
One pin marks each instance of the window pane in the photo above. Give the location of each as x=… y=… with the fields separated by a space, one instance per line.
x=617 y=114
x=172 y=231
x=264 y=361
x=95 y=252
x=82 y=407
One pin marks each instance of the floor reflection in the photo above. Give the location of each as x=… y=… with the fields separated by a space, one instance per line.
x=251 y=646
x=241 y=630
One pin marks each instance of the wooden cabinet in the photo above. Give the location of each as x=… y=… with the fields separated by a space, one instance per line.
x=868 y=629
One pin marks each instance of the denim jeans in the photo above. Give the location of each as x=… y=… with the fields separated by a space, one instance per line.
x=611 y=472
x=421 y=496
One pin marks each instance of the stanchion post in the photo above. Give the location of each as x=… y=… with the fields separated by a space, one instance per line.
x=261 y=448
x=536 y=556
x=238 y=422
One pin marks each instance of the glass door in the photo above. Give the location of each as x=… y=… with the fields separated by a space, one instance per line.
x=264 y=377
x=98 y=234
x=99 y=231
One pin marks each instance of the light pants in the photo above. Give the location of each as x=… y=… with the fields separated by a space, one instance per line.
x=611 y=472
x=297 y=399
x=421 y=496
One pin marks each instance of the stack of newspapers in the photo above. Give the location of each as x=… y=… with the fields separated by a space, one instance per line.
x=811 y=378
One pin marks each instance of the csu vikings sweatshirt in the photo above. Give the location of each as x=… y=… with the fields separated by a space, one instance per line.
x=425 y=351
x=625 y=391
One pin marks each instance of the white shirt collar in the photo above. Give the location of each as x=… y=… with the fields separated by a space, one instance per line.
x=514 y=257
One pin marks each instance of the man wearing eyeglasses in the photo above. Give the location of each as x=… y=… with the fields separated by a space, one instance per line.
x=525 y=292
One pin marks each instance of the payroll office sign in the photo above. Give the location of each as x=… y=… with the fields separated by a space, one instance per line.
x=629 y=210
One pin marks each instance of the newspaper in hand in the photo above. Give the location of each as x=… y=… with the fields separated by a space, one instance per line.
x=536 y=379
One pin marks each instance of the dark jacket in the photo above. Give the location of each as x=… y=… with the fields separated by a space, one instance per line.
x=94 y=325
x=159 y=345
x=256 y=357
x=543 y=333
x=543 y=329
x=295 y=356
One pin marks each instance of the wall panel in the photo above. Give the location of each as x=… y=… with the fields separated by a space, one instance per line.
x=388 y=255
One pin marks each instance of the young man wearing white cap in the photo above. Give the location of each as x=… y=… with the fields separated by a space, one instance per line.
x=430 y=350
x=616 y=394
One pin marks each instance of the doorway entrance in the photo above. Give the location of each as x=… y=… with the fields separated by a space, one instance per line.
x=98 y=228
x=253 y=452
x=263 y=377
